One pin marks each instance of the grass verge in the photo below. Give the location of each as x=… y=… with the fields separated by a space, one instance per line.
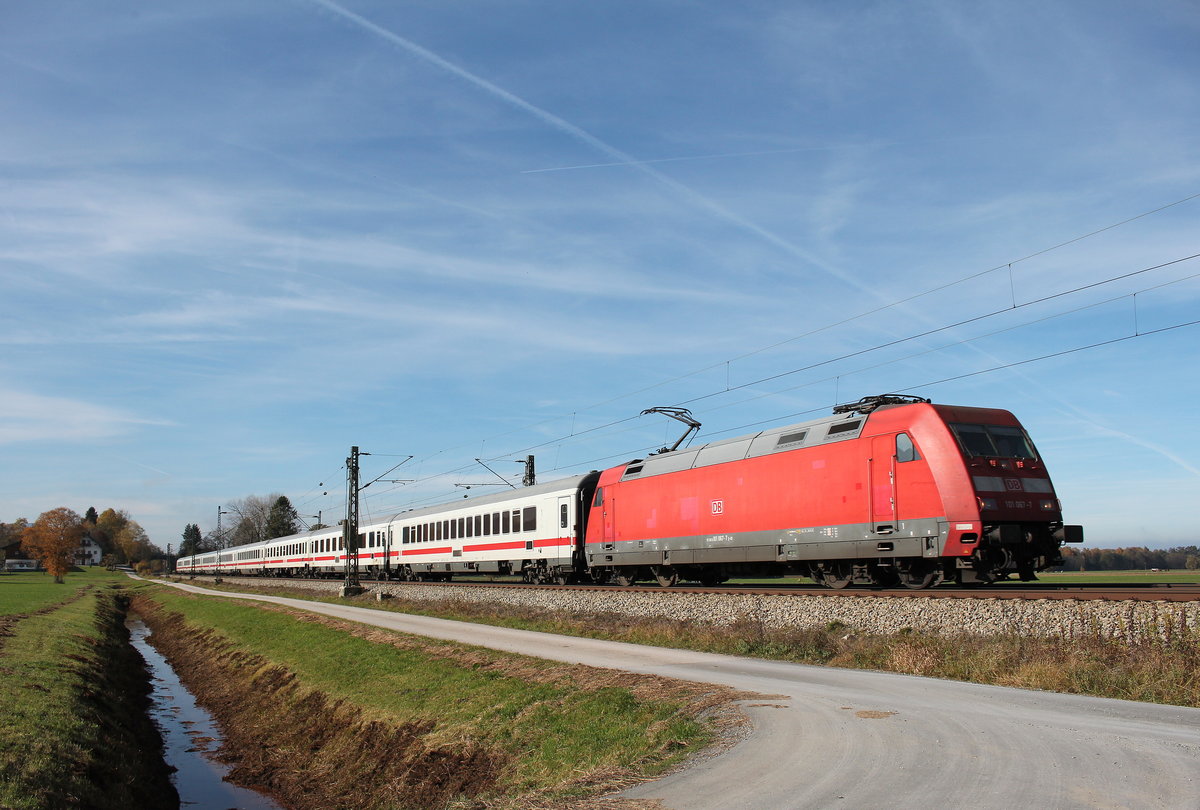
x=333 y=714
x=73 y=694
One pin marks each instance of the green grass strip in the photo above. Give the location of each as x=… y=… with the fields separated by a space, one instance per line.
x=555 y=727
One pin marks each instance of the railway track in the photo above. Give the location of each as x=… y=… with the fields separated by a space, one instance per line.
x=1112 y=592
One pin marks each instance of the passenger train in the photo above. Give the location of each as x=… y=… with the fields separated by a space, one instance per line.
x=887 y=491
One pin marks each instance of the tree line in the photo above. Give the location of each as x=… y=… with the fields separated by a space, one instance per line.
x=55 y=537
x=257 y=518
x=1130 y=559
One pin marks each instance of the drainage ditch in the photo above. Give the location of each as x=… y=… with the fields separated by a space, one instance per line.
x=191 y=736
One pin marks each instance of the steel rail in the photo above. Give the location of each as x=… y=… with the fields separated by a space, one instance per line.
x=1111 y=592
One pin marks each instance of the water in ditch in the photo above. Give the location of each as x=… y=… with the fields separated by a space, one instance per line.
x=190 y=737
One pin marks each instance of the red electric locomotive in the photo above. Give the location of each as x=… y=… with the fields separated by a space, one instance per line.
x=889 y=490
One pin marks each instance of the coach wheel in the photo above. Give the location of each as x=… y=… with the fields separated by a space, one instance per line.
x=666 y=575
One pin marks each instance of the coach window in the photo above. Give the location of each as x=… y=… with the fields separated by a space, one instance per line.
x=505 y=522
x=487 y=525
x=461 y=527
x=905 y=450
x=516 y=521
x=530 y=521
x=562 y=516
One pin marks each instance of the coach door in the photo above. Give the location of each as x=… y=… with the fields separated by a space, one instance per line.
x=563 y=516
x=882 y=475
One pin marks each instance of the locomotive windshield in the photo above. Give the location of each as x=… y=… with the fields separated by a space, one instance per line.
x=993 y=440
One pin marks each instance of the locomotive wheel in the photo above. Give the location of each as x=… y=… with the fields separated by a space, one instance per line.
x=626 y=577
x=837 y=577
x=710 y=578
x=919 y=577
x=666 y=575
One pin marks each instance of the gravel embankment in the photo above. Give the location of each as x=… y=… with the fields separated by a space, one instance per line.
x=1042 y=618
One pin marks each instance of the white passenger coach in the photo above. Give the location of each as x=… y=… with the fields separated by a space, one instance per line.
x=534 y=531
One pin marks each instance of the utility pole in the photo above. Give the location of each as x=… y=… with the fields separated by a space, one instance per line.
x=351 y=587
x=170 y=560
x=220 y=537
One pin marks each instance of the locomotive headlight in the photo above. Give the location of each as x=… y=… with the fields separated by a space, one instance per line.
x=1048 y=506
x=986 y=504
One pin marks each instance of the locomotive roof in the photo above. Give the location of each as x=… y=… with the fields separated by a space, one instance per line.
x=823 y=430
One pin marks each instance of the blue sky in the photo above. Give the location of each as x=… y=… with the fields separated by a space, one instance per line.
x=238 y=238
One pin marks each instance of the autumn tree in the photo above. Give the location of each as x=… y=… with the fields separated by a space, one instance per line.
x=125 y=536
x=281 y=520
x=53 y=538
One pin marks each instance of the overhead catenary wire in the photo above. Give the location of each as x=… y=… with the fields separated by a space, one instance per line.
x=856 y=353
x=574 y=435
x=827 y=327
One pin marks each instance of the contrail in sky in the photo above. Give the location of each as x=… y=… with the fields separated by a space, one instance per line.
x=789 y=151
x=587 y=138
x=690 y=157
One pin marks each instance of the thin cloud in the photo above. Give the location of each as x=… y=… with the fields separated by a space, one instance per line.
x=33 y=417
x=588 y=139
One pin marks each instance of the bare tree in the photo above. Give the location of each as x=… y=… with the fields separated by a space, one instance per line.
x=254 y=513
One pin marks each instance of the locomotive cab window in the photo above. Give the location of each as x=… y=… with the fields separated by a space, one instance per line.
x=1000 y=441
x=905 y=449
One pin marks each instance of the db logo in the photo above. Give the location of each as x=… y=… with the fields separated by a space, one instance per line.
x=1012 y=484
x=718 y=507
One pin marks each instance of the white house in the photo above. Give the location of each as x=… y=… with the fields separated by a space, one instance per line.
x=89 y=552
